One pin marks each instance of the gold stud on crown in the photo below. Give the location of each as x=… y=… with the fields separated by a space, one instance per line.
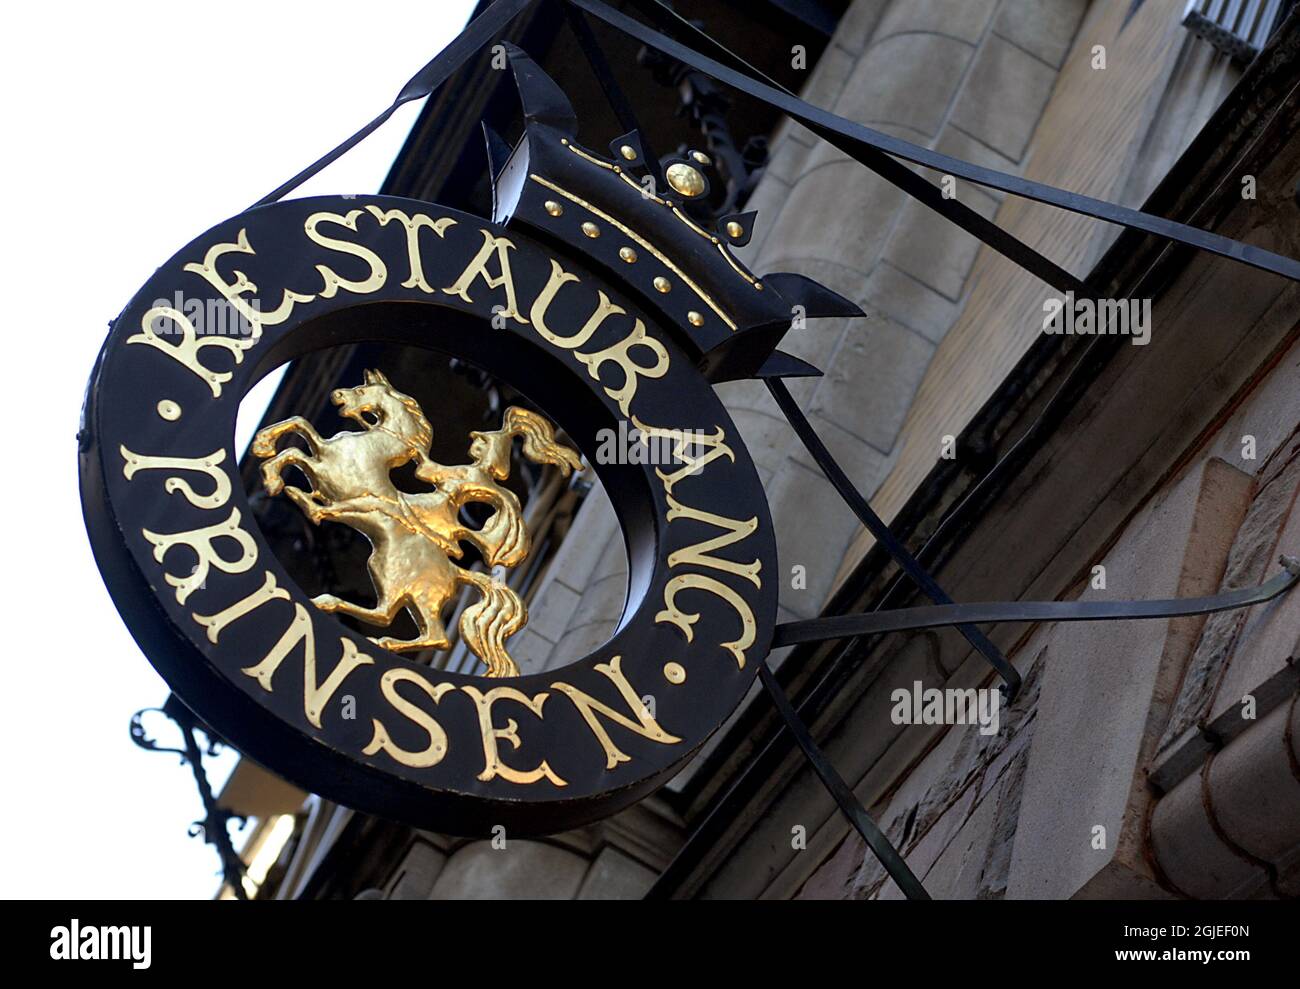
x=685 y=180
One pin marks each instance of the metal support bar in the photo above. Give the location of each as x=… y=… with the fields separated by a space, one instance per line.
x=877 y=527
x=438 y=70
x=614 y=94
x=883 y=165
x=905 y=619
x=885 y=853
x=864 y=144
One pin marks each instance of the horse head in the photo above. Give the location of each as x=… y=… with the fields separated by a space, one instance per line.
x=376 y=404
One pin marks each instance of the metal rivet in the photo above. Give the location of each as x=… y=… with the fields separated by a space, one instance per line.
x=674 y=673
x=627 y=254
x=701 y=157
x=663 y=284
x=685 y=180
x=694 y=318
x=591 y=230
x=734 y=230
x=169 y=410
x=552 y=207
x=628 y=152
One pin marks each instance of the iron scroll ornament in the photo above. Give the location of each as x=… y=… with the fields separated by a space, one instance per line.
x=244 y=647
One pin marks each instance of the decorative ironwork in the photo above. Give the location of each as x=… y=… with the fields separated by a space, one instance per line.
x=877 y=527
x=706 y=104
x=213 y=826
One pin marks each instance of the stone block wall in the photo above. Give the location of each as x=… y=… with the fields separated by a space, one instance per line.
x=1111 y=129
x=967 y=77
x=1150 y=759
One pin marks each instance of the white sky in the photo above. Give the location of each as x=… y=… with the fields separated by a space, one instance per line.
x=131 y=128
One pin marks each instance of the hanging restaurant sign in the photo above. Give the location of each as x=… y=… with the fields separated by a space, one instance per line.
x=609 y=310
x=601 y=293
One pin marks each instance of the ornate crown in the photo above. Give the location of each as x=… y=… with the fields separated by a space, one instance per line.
x=635 y=223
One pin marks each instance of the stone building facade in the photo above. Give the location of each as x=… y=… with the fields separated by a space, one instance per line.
x=1142 y=759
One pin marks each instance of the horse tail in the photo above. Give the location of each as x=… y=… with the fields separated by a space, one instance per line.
x=486 y=624
x=539 y=445
x=539 y=440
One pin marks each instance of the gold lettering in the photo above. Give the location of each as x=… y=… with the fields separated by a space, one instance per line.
x=233 y=292
x=542 y=304
x=185 y=351
x=621 y=354
x=493 y=766
x=589 y=707
x=206 y=465
x=698 y=554
x=315 y=695
x=604 y=309
x=433 y=753
x=201 y=542
x=685 y=621
x=413 y=225
x=500 y=247
x=682 y=440
x=333 y=280
x=215 y=624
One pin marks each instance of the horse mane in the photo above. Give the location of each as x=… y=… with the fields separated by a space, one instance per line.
x=423 y=435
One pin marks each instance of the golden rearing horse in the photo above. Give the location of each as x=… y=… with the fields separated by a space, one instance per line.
x=415 y=537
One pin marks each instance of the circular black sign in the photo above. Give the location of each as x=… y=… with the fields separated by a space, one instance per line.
x=294 y=688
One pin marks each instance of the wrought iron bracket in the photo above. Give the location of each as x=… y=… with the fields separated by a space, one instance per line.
x=213 y=826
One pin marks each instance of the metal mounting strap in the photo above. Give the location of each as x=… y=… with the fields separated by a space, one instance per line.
x=477 y=33
x=864 y=144
x=614 y=95
x=885 y=853
x=903 y=619
x=888 y=168
x=877 y=527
